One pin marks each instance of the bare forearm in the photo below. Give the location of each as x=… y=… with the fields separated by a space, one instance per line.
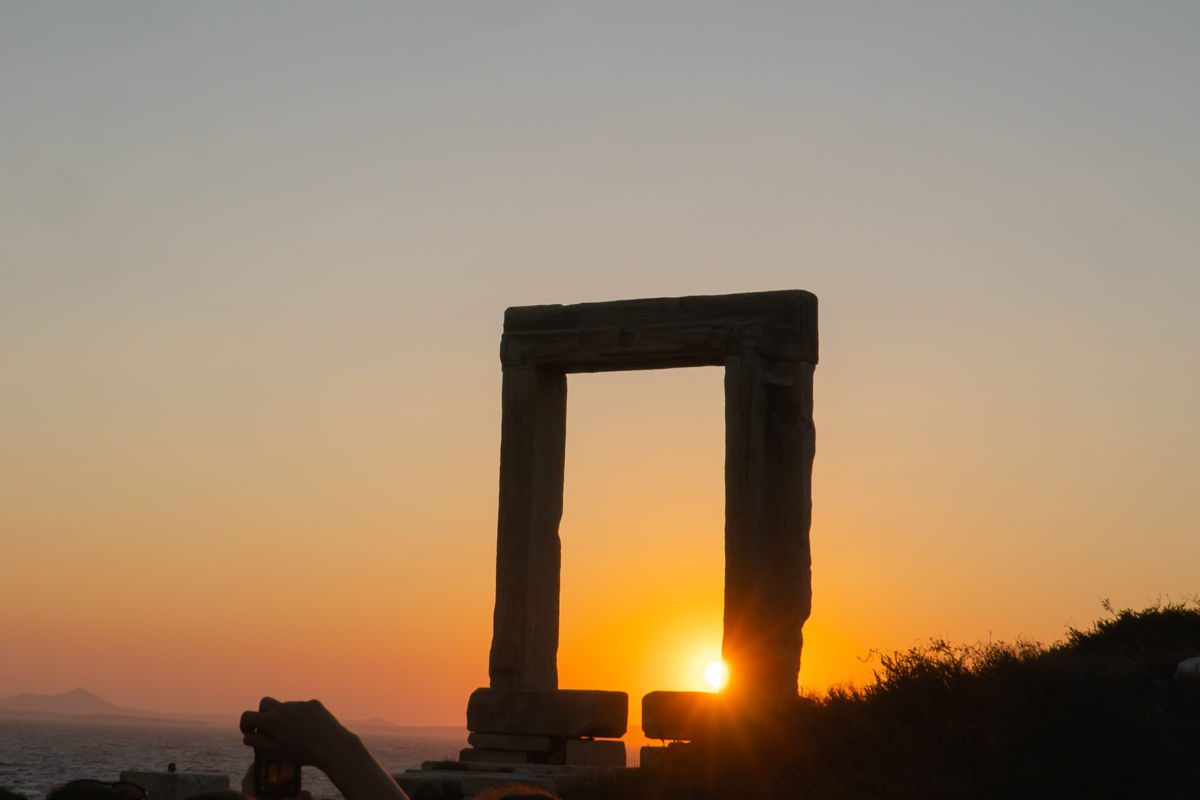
x=307 y=733
x=356 y=773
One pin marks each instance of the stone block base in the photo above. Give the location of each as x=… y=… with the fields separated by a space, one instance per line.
x=680 y=715
x=566 y=752
x=514 y=741
x=451 y=780
x=548 y=712
x=595 y=753
x=476 y=755
x=657 y=757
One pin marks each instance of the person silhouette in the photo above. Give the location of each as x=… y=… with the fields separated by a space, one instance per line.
x=90 y=789
x=308 y=734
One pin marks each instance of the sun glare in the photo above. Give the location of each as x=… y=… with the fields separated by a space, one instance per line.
x=716 y=674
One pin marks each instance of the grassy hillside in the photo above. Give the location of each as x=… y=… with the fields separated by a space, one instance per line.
x=1096 y=715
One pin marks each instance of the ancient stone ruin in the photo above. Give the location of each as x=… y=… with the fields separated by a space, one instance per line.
x=767 y=344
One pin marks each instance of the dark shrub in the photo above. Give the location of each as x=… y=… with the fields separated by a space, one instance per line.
x=1097 y=715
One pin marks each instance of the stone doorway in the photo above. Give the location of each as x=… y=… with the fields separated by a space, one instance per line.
x=767 y=344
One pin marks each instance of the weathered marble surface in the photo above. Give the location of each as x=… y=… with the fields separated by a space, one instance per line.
x=548 y=712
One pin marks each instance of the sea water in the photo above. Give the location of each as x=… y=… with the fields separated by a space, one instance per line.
x=37 y=755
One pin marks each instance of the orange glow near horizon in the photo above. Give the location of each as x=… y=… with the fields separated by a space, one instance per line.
x=353 y=618
x=250 y=308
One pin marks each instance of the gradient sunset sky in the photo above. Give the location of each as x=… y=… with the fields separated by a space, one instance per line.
x=253 y=265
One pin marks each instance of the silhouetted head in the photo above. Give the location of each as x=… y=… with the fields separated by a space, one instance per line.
x=515 y=791
x=217 y=794
x=88 y=789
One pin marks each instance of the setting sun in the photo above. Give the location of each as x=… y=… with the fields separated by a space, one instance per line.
x=716 y=674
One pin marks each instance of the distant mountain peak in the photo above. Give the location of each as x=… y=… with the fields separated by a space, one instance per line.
x=77 y=701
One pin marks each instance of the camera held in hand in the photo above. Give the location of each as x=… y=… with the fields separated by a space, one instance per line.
x=274 y=775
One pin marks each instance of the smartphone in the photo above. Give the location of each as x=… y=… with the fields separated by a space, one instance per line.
x=275 y=776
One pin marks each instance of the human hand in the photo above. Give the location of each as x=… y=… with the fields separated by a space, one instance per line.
x=305 y=732
x=300 y=731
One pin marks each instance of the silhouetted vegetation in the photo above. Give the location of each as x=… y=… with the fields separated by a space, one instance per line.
x=1096 y=715
x=8 y=794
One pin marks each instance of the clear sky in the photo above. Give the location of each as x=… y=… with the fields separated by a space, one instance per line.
x=254 y=260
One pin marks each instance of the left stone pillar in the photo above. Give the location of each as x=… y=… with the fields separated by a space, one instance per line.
x=533 y=431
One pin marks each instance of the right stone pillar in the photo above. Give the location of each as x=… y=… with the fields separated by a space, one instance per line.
x=769 y=447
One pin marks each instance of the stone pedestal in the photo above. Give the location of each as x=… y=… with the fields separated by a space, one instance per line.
x=546 y=726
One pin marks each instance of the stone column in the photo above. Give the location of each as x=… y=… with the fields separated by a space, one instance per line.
x=524 y=652
x=769 y=447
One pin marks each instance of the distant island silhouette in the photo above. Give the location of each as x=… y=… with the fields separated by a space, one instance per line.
x=76 y=702
x=80 y=704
